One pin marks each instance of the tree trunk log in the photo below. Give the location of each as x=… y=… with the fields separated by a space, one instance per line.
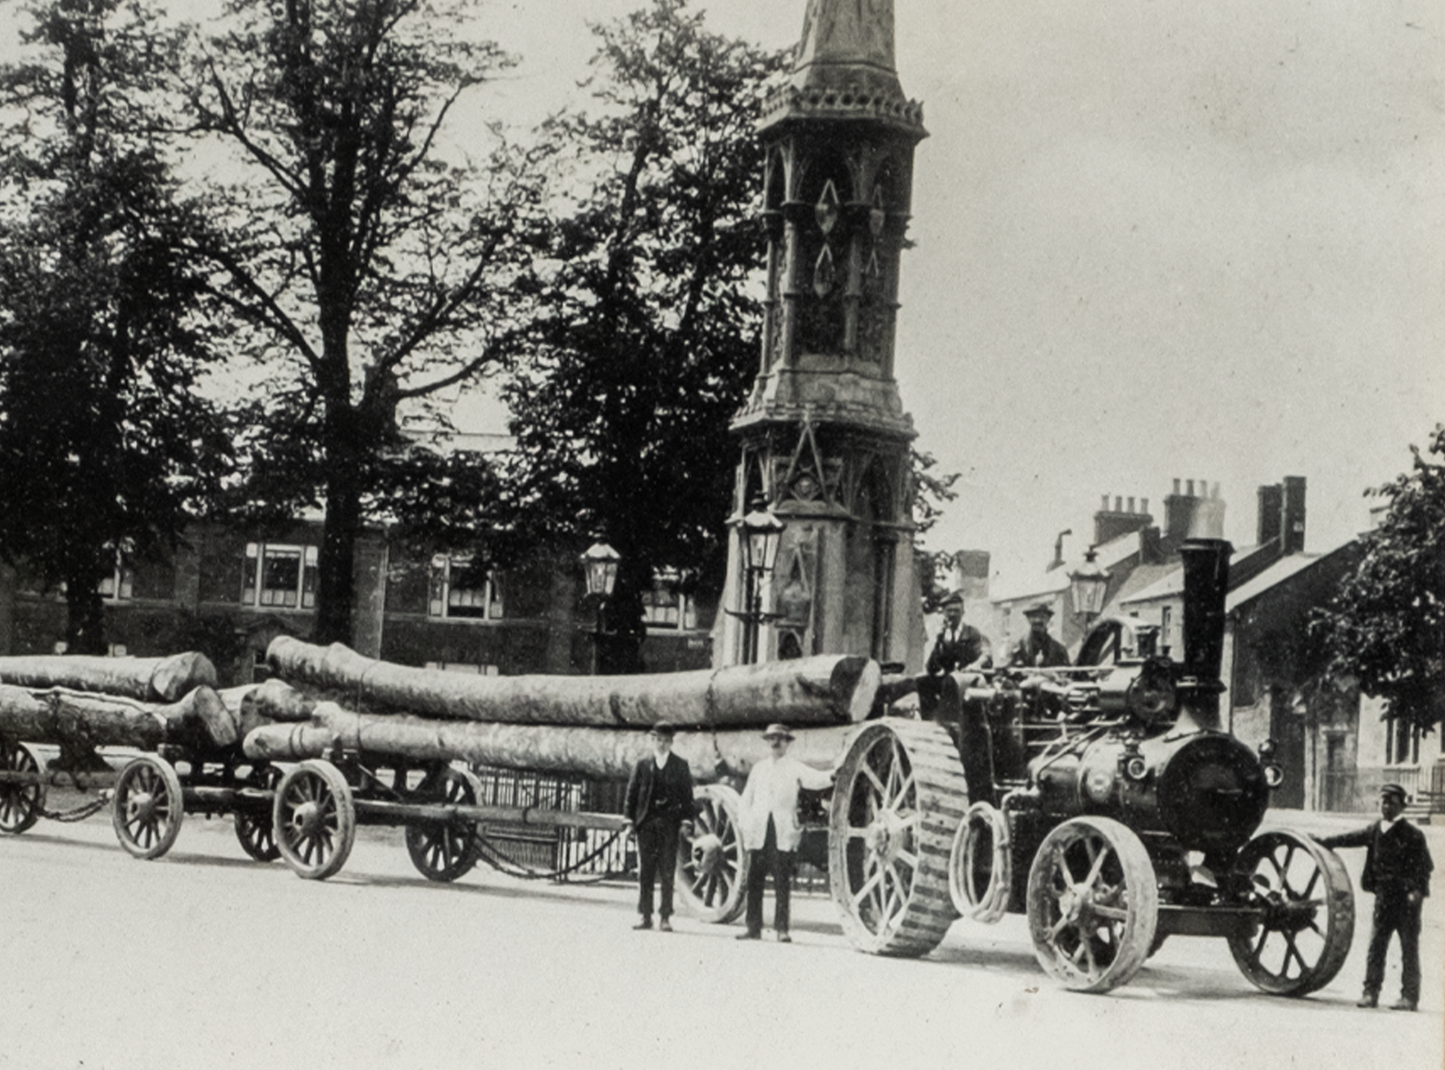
x=828 y=689
x=602 y=753
x=76 y=720
x=146 y=679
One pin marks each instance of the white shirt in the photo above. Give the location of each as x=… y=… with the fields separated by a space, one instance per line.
x=772 y=791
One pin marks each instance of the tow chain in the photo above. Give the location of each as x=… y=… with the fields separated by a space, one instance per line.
x=510 y=866
x=81 y=812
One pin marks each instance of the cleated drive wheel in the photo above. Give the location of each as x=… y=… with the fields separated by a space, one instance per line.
x=712 y=867
x=255 y=830
x=148 y=807
x=314 y=818
x=899 y=797
x=20 y=803
x=444 y=851
x=1093 y=904
x=1299 y=938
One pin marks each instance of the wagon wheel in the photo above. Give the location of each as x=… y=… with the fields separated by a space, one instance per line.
x=314 y=819
x=255 y=829
x=20 y=804
x=444 y=851
x=899 y=797
x=1306 y=914
x=1093 y=904
x=148 y=806
x=712 y=867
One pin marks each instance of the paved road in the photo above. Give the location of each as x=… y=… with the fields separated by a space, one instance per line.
x=205 y=959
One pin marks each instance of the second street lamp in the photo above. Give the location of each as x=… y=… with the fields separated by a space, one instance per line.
x=599 y=568
x=1088 y=584
x=760 y=535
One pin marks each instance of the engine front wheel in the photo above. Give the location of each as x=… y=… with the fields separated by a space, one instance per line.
x=898 y=800
x=1305 y=914
x=1093 y=904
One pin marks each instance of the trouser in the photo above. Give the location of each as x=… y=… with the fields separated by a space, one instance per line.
x=1394 y=913
x=780 y=864
x=656 y=861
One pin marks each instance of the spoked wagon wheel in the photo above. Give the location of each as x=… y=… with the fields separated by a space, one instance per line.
x=1301 y=934
x=255 y=829
x=148 y=807
x=898 y=799
x=444 y=851
x=712 y=867
x=20 y=804
x=1093 y=904
x=315 y=819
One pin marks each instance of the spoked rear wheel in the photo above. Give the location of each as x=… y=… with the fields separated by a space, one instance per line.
x=20 y=801
x=148 y=807
x=314 y=819
x=445 y=850
x=899 y=797
x=1306 y=914
x=1093 y=904
x=712 y=867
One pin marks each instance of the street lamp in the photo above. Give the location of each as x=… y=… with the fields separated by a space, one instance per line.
x=599 y=567
x=762 y=533
x=1087 y=584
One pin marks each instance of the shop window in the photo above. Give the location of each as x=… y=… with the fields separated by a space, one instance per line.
x=460 y=590
x=279 y=576
x=664 y=606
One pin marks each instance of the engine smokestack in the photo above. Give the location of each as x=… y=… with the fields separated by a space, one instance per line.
x=1206 y=582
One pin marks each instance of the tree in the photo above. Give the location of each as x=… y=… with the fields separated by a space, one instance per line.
x=648 y=330
x=932 y=491
x=1386 y=626
x=106 y=448
x=372 y=268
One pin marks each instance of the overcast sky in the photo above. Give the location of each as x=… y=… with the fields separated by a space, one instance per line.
x=1156 y=239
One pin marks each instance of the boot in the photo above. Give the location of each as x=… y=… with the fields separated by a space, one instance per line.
x=1369 y=999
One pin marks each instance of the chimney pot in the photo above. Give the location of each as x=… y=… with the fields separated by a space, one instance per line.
x=1176 y=486
x=1131 y=505
x=1189 y=487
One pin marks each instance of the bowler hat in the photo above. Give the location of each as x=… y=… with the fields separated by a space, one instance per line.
x=1394 y=789
x=1039 y=609
x=777 y=730
x=663 y=729
x=954 y=599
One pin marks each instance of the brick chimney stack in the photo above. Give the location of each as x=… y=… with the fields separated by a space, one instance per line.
x=1110 y=524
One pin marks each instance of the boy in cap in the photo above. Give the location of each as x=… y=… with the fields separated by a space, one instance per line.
x=1397 y=870
x=1038 y=649
x=658 y=804
x=768 y=822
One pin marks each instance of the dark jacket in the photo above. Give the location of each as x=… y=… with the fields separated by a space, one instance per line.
x=1045 y=653
x=639 y=802
x=1395 y=861
x=950 y=655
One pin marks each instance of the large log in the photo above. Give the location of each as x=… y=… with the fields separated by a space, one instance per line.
x=827 y=689
x=600 y=753
x=147 y=679
x=77 y=720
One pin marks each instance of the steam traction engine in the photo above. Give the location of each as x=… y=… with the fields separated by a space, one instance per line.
x=1104 y=801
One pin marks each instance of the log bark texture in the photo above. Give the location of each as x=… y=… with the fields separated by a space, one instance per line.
x=827 y=689
x=603 y=753
x=76 y=720
x=146 y=679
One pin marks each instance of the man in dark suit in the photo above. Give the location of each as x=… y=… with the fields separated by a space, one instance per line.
x=958 y=646
x=1038 y=649
x=1397 y=870
x=658 y=806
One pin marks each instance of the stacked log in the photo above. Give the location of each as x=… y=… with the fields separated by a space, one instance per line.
x=590 y=725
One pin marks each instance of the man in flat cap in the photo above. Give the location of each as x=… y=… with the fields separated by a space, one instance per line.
x=658 y=805
x=768 y=822
x=1038 y=649
x=1397 y=870
x=958 y=646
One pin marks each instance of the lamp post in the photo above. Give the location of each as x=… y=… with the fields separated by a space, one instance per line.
x=599 y=567
x=761 y=534
x=1087 y=584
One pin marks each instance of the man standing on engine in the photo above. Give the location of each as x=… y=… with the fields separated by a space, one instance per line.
x=1397 y=870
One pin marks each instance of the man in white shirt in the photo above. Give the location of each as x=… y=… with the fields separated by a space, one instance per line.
x=769 y=827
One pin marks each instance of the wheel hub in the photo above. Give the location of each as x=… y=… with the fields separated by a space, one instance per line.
x=1077 y=903
x=886 y=836
x=706 y=854
x=1288 y=916
x=305 y=818
x=143 y=806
